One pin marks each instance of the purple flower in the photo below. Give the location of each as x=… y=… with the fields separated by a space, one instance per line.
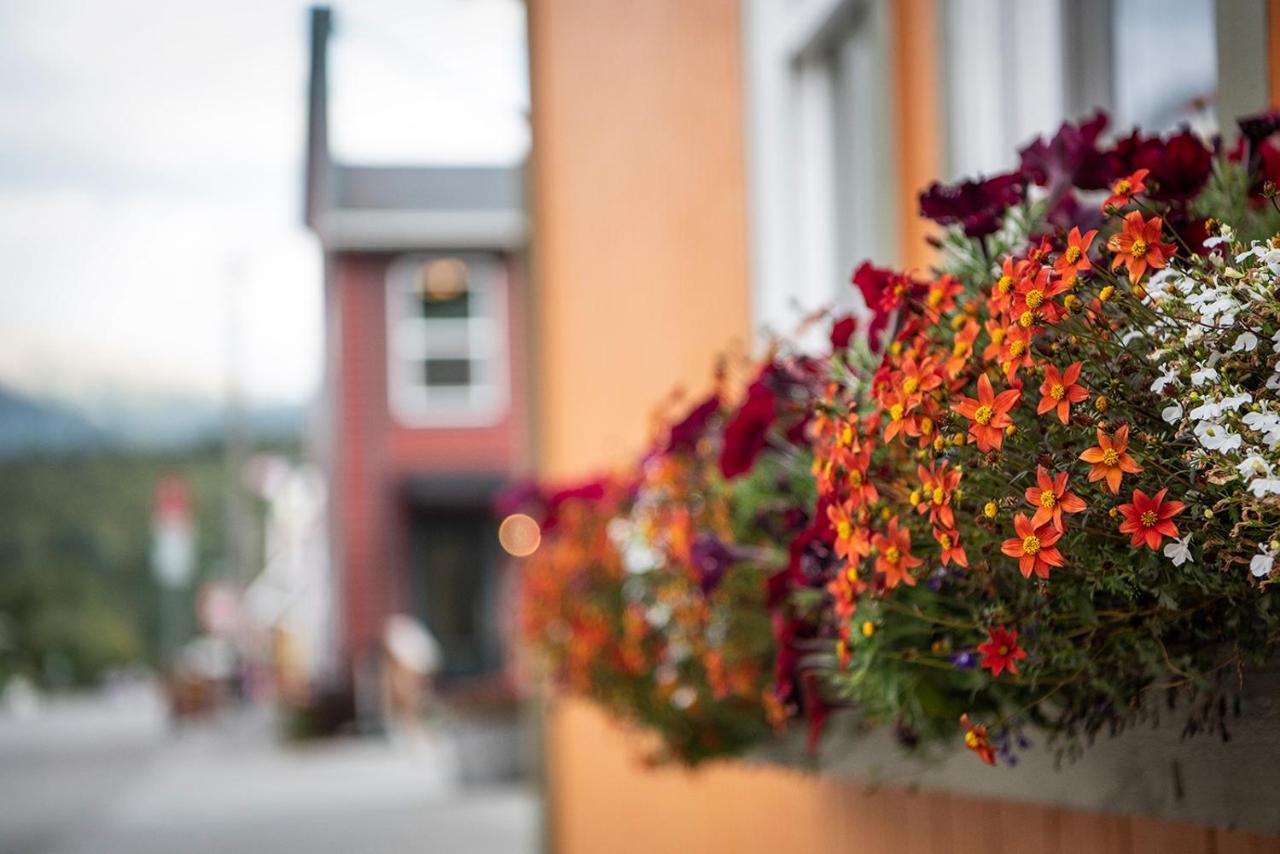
x=710 y=558
x=977 y=206
x=963 y=660
x=1071 y=159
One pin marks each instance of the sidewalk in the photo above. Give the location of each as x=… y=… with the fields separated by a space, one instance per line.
x=230 y=786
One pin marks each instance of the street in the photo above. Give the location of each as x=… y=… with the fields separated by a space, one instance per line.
x=107 y=776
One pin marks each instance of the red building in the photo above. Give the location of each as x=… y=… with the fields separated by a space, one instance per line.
x=426 y=387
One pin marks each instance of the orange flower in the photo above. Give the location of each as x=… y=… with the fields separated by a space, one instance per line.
x=851 y=537
x=1051 y=499
x=1147 y=519
x=949 y=540
x=1110 y=458
x=976 y=739
x=1060 y=390
x=1002 y=290
x=938 y=482
x=1138 y=246
x=941 y=296
x=917 y=378
x=1001 y=651
x=1075 y=258
x=996 y=332
x=893 y=555
x=1125 y=189
x=989 y=413
x=1034 y=298
x=1033 y=547
x=1016 y=352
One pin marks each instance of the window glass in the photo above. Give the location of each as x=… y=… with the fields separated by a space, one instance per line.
x=1160 y=96
x=444 y=339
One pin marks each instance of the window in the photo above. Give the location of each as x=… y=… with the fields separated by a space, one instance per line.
x=821 y=152
x=446 y=322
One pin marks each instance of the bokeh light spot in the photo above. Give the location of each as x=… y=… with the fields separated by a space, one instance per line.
x=519 y=535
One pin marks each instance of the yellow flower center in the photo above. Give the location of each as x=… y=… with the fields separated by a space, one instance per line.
x=938 y=495
x=855 y=477
x=1005 y=284
x=1057 y=392
x=971 y=740
x=1149 y=519
x=945 y=541
x=1073 y=254
x=1105 y=293
x=1017 y=347
x=914 y=497
x=895 y=412
x=1110 y=457
x=926 y=426
x=1122 y=187
x=892 y=554
x=1026 y=319
x=983 y=415
x=1101 y=403
x=1048 y=499
x=959 y=348
x=935 y=298
x=910 y=384
x=1035 y=298
x=868 y=629
x=1004 y=649
x=844 y=530
x=990 y=510
x=997 y=336
x=1139 y=248
x=1031 y=544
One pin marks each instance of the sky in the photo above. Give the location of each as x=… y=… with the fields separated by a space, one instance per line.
x=150 y=176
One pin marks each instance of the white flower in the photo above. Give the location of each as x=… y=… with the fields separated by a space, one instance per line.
x=1264 y=486
x=1215 y=437
x=1254 y=466
x=1203 y=375
x=1236 y=401
x=1170 y=375
x=1266 y=423
x=1246 y=341
x=1172 y=413
x=1206 y=411
x=1262 y=562
x=1178 y=551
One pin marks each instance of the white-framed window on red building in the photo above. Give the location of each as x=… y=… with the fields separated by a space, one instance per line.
x=446 y=340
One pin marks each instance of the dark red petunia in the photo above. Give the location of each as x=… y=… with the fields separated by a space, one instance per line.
x=1178 y=167
x=746 y=434
x=686 y=433
x=1071 y=159
x=977 y=206
x=842 y=332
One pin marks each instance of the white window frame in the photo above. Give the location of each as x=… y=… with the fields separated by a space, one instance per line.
x=808 y=151
x=481 y=337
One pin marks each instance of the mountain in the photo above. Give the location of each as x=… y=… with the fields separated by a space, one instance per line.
x=29 y=424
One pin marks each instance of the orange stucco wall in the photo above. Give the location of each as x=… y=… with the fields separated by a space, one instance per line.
x=639 y=251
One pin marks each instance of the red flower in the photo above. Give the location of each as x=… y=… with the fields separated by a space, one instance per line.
x=893 y=555
x=975 y=738
x=938 y=483
x=1001 y=651
x=989 y=413
x=1052 y=498
x=1148 y=520
x=1125 y=189
x=1060 y=390
x=1033 y=547
x=1138 y=246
